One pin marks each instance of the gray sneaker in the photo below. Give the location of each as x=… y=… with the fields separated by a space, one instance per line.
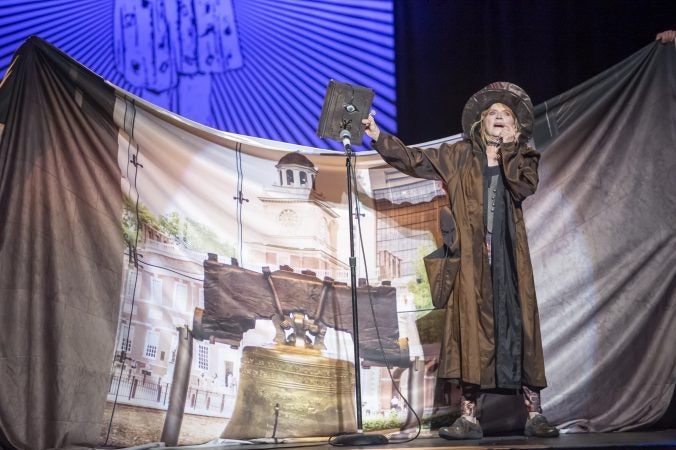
x=462 y=429
x=538 y=426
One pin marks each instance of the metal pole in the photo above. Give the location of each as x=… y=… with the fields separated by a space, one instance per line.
x=359 y=438
x=353 y=284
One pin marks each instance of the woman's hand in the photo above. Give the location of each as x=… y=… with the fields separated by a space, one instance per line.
x=371 y=128
x=509 y=134
x=666 y=36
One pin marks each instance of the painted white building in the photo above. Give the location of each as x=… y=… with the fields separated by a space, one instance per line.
x=302 y=230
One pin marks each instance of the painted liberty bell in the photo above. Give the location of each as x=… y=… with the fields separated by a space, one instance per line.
x=292 y=387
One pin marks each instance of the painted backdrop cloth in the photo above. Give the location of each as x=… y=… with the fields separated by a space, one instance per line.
x=89 y=334
x=601 y=232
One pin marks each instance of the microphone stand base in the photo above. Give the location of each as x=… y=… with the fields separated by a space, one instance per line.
x=358 y=439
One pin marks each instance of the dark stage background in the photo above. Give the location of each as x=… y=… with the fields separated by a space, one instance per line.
x=447 y=50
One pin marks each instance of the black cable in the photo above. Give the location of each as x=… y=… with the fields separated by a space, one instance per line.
x=124 y=124
x=130 y=158
x=375 y=321
x=240 y=200
x=417 y=310
x=183 y=274
x=373 y=313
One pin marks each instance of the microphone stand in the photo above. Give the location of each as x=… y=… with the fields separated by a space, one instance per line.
x=358 y=438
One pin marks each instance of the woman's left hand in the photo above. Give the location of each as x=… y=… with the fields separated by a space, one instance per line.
x=509 y=134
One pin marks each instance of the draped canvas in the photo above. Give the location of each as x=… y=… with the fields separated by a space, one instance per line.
x=60 y=249
x=601 y=229
x=90 y=145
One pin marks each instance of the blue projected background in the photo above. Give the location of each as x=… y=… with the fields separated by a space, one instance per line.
x=253 y=67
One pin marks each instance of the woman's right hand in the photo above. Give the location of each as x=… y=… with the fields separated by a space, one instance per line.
x=371 y=128
x=666 y=36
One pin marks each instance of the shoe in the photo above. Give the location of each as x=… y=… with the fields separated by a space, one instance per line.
x=539 y=427
x=462 y=429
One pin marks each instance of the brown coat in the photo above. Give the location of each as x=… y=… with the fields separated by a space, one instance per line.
x=468 y=347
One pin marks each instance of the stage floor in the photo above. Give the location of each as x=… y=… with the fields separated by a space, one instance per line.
x=661 y=439
x=652 y=439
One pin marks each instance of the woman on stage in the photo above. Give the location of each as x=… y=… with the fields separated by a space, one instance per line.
x=485 y=282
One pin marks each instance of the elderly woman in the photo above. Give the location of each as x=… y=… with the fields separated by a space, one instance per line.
x=482 y=275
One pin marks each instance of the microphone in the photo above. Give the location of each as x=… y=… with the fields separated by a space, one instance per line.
x=346 y=136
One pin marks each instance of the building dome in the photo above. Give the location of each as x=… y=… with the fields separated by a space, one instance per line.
x=295 y=158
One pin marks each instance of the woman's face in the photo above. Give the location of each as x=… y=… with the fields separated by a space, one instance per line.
x=499 y=121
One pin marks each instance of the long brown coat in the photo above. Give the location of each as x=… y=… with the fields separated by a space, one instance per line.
x=468 y=347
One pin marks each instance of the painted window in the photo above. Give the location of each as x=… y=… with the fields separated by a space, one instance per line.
x=152 y=343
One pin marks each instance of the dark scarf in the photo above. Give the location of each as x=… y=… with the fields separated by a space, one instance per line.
x=506 y=306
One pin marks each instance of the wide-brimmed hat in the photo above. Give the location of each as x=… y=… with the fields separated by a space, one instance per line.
x=499 y=92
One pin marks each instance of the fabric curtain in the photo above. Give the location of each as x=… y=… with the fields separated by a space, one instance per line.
x=601 y=232
x=602 y=229
x=60 y=249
